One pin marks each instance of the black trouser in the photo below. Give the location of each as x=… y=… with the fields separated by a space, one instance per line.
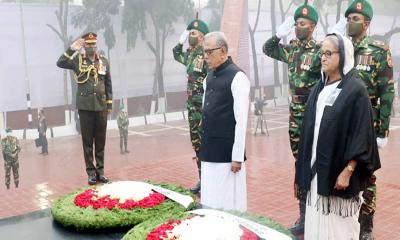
x=93 y=130
x=43 y=140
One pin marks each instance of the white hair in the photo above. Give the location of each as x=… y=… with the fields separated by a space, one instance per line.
x=219 y=37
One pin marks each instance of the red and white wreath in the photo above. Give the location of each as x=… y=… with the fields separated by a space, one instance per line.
x=124 y=194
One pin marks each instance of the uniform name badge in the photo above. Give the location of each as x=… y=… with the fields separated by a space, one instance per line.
x=332 y=98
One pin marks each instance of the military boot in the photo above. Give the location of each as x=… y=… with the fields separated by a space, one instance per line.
x=366 y=226
x=298 y=227
x=196 y=189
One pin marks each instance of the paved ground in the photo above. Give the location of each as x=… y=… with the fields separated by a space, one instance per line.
x=163 y=152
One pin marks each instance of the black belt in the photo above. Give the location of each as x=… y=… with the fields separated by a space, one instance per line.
x=299 y=98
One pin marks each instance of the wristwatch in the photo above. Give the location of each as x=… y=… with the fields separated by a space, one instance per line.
x=350 y=168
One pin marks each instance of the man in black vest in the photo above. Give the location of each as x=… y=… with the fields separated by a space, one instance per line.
x=225 y=111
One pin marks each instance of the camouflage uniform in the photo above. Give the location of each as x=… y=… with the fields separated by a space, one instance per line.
x=196 y=69
x=123 y=124
x=304 y=67
x=304 y=71
x=10 y=147
x=374 y=63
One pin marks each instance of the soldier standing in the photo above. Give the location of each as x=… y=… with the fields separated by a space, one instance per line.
x=196 y=69
x=373 y=60
x=10 y=148
x=93 y=100
x=304 y=66
x=42 y=128
x=123 y=124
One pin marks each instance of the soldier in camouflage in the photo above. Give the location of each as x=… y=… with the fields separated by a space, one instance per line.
x=304 y=66
x=93 y=100
x=10 y=148
x=123 y=124
x=196 y=70
x=374 y=63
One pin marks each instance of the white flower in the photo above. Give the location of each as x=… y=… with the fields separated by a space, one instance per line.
x=207 y=227
x=125 y=190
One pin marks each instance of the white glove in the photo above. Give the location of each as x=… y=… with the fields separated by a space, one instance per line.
x=285 y=28
x=184 y=36
x=381 y=142
x=340 y=27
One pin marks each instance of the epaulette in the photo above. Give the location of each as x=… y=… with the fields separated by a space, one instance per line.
x=379 y=44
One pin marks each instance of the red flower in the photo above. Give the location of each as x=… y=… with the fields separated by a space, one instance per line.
x=90 y=198
x=161 y=232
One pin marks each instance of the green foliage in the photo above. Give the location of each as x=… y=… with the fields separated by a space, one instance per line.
x=95 y=15
x=68 y=214
x=162 y=14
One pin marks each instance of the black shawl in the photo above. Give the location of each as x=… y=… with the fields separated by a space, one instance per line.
x=346 y=133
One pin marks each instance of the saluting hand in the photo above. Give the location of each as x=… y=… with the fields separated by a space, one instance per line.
x=78 y=44
x=236 y=166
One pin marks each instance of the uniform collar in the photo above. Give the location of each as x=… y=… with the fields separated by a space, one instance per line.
x=307 y=44
x=362 y=44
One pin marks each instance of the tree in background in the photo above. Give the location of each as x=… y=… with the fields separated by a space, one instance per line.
x=95 y=16
x=252 y=31
x=62 y=32
x=162 y=15
x=217 y=8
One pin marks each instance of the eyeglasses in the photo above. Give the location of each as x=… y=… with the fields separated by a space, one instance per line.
x=210 y=51
x=328 y=54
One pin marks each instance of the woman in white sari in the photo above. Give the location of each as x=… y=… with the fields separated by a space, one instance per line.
x=337 y=150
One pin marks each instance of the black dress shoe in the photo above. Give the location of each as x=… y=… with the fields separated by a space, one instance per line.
x=196 y=189
x=127 y=151
x=103 y=179
x=92 y=180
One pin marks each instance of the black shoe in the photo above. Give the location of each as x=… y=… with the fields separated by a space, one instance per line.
x=103 y=179
x=16 y=184
x=126 y=151
x=298 y=228
x=196 y=189
x=92 y=180
x=8 y=186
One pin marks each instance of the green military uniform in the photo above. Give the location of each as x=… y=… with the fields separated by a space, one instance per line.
x=123 y=124
x=304 y=71
x=11 y=148
x=196 y=70
x=93 y=99
x=304 y=67
x=374 y=62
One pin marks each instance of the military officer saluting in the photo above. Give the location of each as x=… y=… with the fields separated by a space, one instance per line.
x=196 y=69
x=93 y=100
x=373 y=60
x=304 y=66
